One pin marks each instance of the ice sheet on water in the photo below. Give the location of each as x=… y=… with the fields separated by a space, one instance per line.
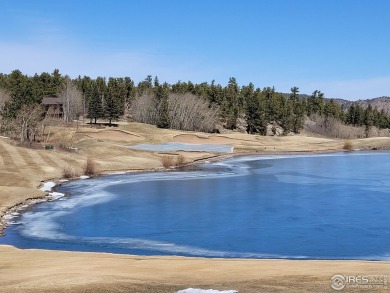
x=10 y=216
x=55 y=195
x=91 y=192
x=117 y=173
x=177 y=146
x=42 y=225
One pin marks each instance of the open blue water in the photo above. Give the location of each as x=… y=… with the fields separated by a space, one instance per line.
x=333 y=206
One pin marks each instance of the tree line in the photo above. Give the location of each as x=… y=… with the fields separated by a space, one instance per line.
x=183 y=105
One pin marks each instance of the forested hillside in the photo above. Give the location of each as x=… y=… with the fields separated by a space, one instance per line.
x=183 y=105
x=380 y=103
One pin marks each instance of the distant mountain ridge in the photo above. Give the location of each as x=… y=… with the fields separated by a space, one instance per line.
x=379 y=103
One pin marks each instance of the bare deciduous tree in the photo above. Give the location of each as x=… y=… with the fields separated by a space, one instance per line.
x=333 y=128
x=4 y=97
x=28 y=122
x=186 y=111
x=144 y=109
x=189 y=112
x=72 y=100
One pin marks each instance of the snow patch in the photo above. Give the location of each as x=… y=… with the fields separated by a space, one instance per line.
x=48 y=186
x=55 y=195
x=10 y=216
x=117 y=173
x=84 y=177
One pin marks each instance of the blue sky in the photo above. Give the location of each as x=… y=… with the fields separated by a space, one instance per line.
x=341 y=47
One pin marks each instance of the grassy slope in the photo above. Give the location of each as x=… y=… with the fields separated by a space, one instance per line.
x=22 y=170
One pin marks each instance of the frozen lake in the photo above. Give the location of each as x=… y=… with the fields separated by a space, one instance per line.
x=333 y=206
x=177 y=146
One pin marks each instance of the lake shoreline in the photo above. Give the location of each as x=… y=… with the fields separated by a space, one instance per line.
x=25 y=204
x=106 y=272
x=281 y=179
x=79 y=271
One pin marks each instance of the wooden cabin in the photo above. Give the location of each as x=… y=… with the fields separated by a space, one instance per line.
x=54 y=107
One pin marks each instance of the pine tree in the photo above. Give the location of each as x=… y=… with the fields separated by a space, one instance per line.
x=383 y=119
x=215 y=93
x=287 y=116
x=271 y=104
x=298 y=106
x=252 y=105
x=111 y=110
x=95 y=107
x=162 y=98
x=255 y=115
x=22 y=93
x=85 y=86
x=315 y=103
x=294 y=96
x=368 y=119
x=145 y=85
x=230 y=107
x=299 y=116
x=331 y=109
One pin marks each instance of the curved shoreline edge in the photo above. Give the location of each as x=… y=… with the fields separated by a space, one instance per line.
x=105 y=272
x=12 y=211
x=23 y=205
x=40 y=270
x=6 y=215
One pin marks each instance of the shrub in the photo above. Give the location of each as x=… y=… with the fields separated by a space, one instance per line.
x=68 y=172
x=332 y=127
x=167 y=161
x=348 y=146
x=89 y=168
x=180 y=160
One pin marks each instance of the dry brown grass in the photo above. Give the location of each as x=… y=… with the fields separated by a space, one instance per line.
x=19 y=178
x=105 y=272
x=180 y=161
x=348 y=145
x=89 y=167
x=167 y=161
x=332 y=127
x=68 y=172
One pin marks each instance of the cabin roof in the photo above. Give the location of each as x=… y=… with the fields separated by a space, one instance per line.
x=51 y=101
